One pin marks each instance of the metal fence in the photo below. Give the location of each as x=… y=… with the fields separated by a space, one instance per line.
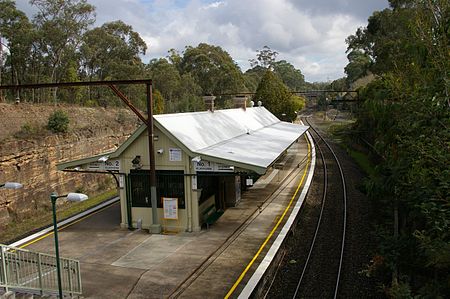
x=33 y=272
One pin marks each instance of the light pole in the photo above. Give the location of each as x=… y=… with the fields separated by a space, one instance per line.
x=11 y=185
x=70 y=197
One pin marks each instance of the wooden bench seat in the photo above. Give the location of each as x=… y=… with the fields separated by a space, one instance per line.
x=211 y=215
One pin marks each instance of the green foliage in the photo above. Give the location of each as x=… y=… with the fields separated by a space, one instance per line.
x=406 y=116
x=298 y=103
x=60 y=44
x=253 y=76
x=358 y=65
x=30 y=130
x=400 y=291
x=180 y=91
x=292 y=77
x=276 y=97
x=265 y=58
x=158 y=102
x=60 y=25
x=58 y=122
x=213 y=69
x=339 y=84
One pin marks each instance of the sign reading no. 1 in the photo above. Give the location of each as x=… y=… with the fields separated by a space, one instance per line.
x=170 y=206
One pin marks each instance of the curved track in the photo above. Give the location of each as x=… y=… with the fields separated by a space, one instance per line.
x=319 y=142
x=318 y=273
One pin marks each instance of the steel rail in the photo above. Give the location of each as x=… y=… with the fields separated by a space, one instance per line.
x=344 y=191
x=238 y=231
x=319 y=220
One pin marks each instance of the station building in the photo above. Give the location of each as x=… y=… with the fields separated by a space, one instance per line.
x=203 y=162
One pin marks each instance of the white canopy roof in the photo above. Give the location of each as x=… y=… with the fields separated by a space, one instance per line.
x=253 y=138
x=250 y=139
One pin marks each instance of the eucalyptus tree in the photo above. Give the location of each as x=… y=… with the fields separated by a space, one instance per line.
x=264 y=58
x=213 y=69
x=181 y=91
x=406 y=115
x=359 y=63
x=166 y=79
x=16 y=38
x=290 y=76
x=112 y=52
x=60 y=25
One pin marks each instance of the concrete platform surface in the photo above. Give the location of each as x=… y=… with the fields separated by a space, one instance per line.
x=118 y=263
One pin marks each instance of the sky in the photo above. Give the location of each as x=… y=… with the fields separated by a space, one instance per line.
x=310 y=34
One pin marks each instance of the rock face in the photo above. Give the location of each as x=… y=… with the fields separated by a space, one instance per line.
x=29 y=154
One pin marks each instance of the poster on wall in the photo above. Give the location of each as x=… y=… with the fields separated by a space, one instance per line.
x=174 y=154
x=170 y=207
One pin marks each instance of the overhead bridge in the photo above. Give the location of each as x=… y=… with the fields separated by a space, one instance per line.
x=31 y=272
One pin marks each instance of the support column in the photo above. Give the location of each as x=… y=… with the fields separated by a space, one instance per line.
x=155 y=228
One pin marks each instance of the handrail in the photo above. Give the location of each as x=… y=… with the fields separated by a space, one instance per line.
x=34 y=272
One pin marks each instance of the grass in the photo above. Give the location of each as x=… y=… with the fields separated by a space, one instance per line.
x=17 y=230
x=362 y=160
x=340 y=133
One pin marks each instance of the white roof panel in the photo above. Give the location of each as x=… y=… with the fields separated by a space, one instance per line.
x=260 y=148
x=199 y=130
x=253 y=137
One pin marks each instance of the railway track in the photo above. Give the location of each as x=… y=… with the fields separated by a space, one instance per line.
x=213 y=256
x=318 y=266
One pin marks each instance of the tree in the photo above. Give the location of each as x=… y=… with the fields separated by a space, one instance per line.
x=275 y=96
x=112 y=52
x=58 y=122
x=253 y=76
x=290 y=76
x=406 y=115
x=181 y=92
x=358 y=65
x=158 y=102
x=265 y=58
x=60 y=26
x=213 y=69
x=174 y=58
x=16 y=31
x=166 y=78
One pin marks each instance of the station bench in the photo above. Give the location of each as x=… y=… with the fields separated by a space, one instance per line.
x=211 y=214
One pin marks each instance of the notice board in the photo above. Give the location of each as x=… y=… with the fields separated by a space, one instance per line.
x=170 y=207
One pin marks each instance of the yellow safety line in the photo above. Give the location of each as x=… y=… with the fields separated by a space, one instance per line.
x=238 y=281
x=66 y=226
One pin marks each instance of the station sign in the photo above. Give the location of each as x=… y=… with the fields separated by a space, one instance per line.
x=204 y=165
x=102 y=166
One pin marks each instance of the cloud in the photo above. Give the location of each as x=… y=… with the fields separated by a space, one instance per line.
x=360 y=9
x=309 y=34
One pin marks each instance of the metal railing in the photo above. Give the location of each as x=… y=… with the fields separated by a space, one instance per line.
x=34 y=272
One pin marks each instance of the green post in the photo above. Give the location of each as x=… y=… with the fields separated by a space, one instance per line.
x=53 y=198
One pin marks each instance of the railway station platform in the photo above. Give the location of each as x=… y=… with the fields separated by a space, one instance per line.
x=213 y=263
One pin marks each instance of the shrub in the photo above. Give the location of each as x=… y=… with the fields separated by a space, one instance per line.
x=29 y=130
x=58 y=122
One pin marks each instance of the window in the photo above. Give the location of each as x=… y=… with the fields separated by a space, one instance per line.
x=169 y=183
